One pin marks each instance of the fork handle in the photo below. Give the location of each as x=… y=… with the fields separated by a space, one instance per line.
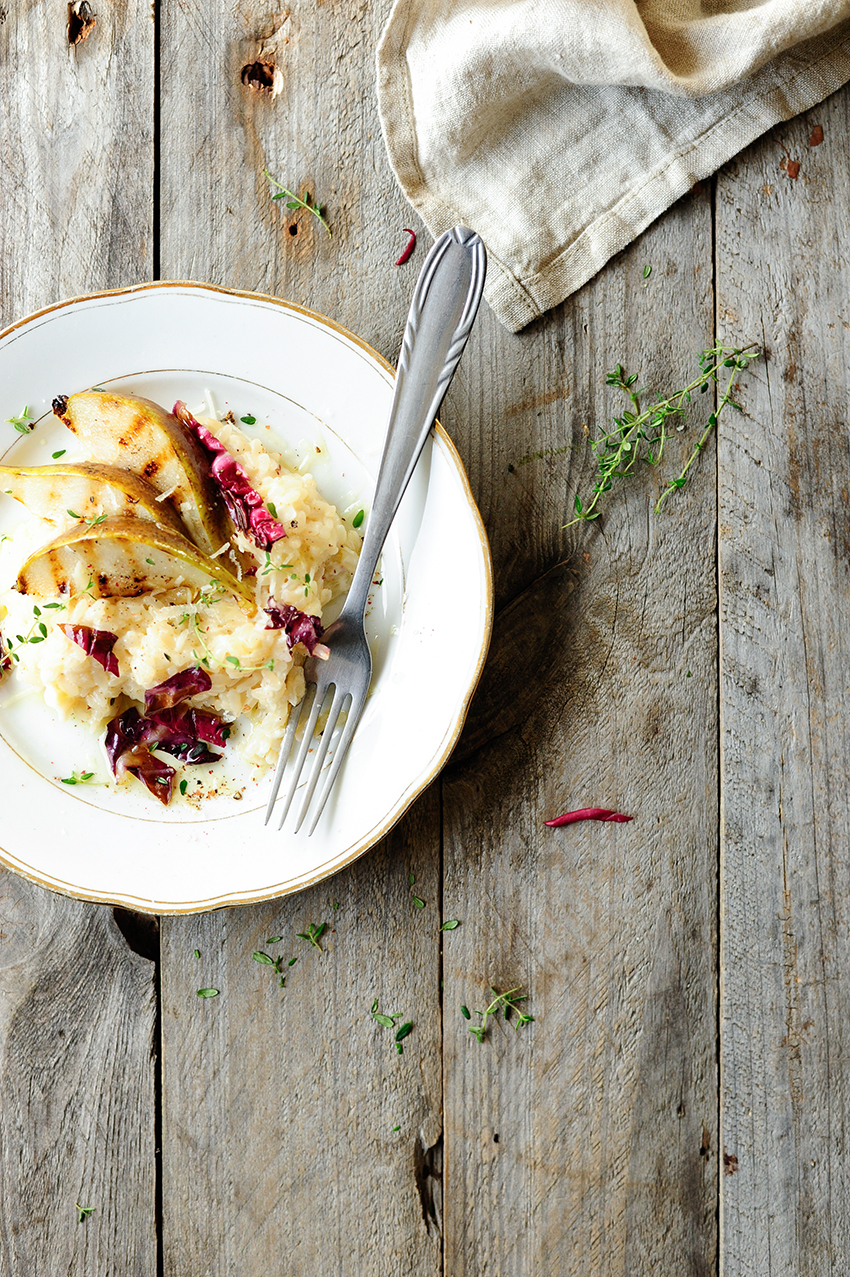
x=445 y=303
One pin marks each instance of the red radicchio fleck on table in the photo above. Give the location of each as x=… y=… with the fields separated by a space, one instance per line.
x=588 y=813
x=244 y=504
x=408 y=248
x=299 y=627
x=95 y=643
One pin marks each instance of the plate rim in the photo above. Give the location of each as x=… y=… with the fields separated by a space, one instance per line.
x=278 y=891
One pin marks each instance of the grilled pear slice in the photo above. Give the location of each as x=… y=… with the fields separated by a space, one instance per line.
x=86 y=490
x=121 y=558
x=138 y=435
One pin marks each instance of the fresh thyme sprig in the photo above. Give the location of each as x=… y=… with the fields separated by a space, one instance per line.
x=74 y=779
x=31 y=636
x=313 y=934
x=388 y=1022
x=507 y=1003
x=92 y=521
x=640 y=433
x=295 y=201
x=24 y=423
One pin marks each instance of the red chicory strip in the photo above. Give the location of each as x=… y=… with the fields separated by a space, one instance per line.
x=409 y=247
x=95 y=643
x=588 y=813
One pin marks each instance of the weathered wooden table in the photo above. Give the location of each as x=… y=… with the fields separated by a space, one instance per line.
x=686 y=972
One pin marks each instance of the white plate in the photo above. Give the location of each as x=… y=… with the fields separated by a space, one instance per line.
x=323 y=396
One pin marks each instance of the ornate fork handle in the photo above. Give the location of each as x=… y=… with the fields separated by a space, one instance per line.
x=444 y=305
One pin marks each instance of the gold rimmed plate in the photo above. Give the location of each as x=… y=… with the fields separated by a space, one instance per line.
x=320 y=396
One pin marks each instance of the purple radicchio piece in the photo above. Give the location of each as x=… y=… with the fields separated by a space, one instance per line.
x=127 y=753
x=95 y=643
x=299 y=627
x=185 y=732
x=175 y=689
x=6 y=661
x=182 y=731
x=244 y=504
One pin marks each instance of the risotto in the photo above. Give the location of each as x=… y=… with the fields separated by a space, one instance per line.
x=111 y=659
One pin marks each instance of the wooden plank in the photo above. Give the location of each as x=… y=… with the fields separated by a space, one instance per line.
x=586 y=1142
x=783 y=280
x=278 y=1142
x=76 y=1004
x=76 y=1075
x=76 y=136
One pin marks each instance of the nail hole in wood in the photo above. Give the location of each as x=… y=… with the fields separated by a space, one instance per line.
x=81 y=21
x=293 y=230
x=263 y=77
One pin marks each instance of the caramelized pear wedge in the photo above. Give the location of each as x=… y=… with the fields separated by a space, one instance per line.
x=122 y=558
x=138 y=435
x=86 y=491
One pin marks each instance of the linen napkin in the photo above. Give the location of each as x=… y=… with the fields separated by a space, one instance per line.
x=559 y=129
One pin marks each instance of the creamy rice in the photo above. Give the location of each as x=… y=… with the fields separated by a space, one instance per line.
x=255 y=677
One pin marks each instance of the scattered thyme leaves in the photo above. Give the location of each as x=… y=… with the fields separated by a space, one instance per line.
x=264 y=958
x=508 y=1003
x=197 y=953
x=647 y=271
x=60 y=453
x=420 y=904
x=248 y=420
x=274 y=939
x=83 y=1212
x=82 y=779
x=208 y=993
x=450 y=924
x=640 y=433
x=184 y=785
x=358 y=518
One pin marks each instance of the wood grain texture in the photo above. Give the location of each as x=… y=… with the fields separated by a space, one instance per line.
x=782 y=250
x=76 y=1077
x=77 y=1010
x=76 y=136
x=586 y=1142
x=280 y=1148
x=319 y=136
x=278 y=1145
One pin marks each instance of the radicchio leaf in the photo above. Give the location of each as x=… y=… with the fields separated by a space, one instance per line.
x=244 y=504
x=179 y=730
x=156 y=774
x=185 y=732
x=299 y=627
x=588 y=813
x=6 y=661
x=95 y=643
x=126 y=753
x=177 y=688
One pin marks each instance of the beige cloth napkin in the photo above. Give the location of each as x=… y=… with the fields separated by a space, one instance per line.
x=559 y=129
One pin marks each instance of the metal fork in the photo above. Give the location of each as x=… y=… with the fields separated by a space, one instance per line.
x=445 y=303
